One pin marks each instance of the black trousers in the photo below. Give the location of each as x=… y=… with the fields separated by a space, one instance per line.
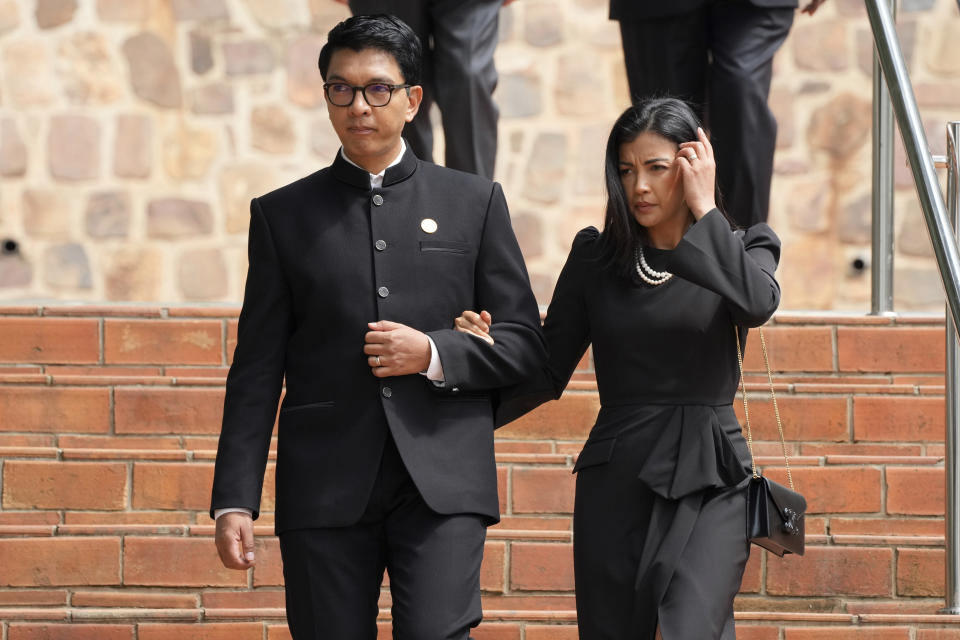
x=333 y=575
x=719 y=57
x=700 y=541
x=458 y=38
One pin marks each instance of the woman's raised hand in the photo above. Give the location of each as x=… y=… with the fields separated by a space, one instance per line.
x=699 y=169
x=476 y=324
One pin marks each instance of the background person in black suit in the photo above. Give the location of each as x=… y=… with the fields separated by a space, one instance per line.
x=718 y=55
x=385 y=454
x=459 y=38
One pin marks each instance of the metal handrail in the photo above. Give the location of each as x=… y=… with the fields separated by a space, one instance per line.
x=944 y=242
x=952 y=400
x=915 y=143
x=881 y=195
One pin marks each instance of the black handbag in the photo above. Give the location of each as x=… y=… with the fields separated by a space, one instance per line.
x=775 y=513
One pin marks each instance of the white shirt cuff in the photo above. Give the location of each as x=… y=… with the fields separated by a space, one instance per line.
x=219 y=512
x=434 y=370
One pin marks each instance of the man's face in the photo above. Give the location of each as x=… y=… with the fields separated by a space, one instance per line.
x=370 y=135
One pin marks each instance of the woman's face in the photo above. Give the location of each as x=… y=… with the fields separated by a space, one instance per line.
x=651 y=179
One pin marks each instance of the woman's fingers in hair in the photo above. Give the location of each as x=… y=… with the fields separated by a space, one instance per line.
x=701 y=147
x=698 y=168
x=705 y=141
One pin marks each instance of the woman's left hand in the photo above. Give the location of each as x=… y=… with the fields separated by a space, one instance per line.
x=475 y=324
x=699 y=169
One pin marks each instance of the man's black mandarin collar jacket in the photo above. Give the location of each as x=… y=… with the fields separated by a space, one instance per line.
x=327 y=255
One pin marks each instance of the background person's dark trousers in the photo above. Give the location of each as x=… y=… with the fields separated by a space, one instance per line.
x=719 y=56
x=458 y=38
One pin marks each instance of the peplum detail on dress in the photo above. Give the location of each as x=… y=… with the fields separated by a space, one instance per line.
x=692 y=453
x=691 y=457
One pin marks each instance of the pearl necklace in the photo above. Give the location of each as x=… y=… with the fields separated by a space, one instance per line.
x=647 y=274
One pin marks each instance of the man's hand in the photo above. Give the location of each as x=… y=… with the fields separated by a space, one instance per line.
x=394 y=349
x=235 y=540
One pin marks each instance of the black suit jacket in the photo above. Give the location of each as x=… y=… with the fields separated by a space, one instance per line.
x=644 y=9
x=328 y=255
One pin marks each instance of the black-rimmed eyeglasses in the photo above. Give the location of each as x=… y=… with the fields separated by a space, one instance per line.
x=376 y=94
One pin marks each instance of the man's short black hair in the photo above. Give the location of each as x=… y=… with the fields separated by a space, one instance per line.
x=384 y=32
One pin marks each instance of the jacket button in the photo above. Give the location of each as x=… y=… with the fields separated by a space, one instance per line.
x=387 y=392
x=377 y=200
x=380 y=245
x=383 y=292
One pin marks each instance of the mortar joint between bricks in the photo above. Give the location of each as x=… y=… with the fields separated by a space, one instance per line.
x=851 y=427
x=112 y=411
x=101 y=332
x=507 y=556
x=128 y=499
x=509 y=492
x=834 y=345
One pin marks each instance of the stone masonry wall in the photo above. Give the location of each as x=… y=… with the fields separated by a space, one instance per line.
x=134 y=132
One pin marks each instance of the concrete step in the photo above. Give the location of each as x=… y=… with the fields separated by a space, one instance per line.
x=91 y=623
x=836 y=569
x=88 y=485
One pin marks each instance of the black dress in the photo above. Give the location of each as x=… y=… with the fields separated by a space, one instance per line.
x=659 y=519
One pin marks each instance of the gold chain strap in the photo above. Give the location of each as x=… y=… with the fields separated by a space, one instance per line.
x=773 y=397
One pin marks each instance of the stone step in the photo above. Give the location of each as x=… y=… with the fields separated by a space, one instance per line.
x=255 y=624
x=908 y=568
x=544 y=533
x=84 y=481
x=189 y=416
x=190 y=340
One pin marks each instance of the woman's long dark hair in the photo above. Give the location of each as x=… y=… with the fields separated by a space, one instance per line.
x=671 y=118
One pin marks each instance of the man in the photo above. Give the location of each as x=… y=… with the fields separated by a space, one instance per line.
x=459 y=38
x=356 y=275
x=718 y=55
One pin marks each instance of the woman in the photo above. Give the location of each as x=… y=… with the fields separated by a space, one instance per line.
x=660 y=511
